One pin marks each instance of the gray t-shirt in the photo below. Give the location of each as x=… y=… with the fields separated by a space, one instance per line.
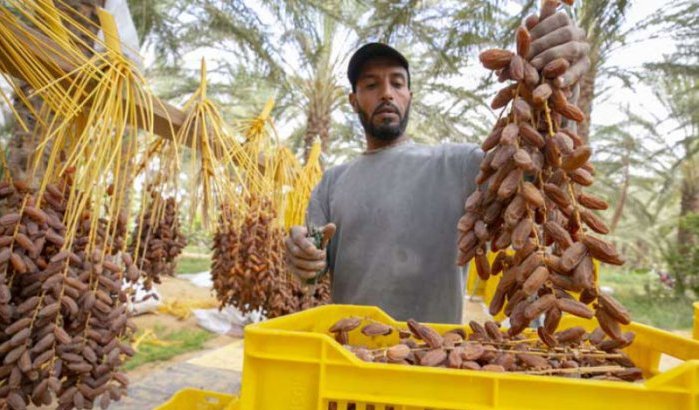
x=396 y=212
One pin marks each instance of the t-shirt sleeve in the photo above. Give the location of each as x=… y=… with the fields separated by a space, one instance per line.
x=472 y=163
x=470 y=156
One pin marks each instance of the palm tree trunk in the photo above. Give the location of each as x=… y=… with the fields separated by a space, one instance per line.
x=317 y=126
x=587 y=95
x=619 y=210
x=689 y=204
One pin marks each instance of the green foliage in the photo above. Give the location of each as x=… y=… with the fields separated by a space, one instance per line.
x=196 y=235
x=296 y=51
x=655 y=149
x=603 y=21
x=441 y=39
x=183 y=341
x=680 y=19
x=634 y=148
x=648 y=300
x=192 y=265
x=662 y=310
x=683 y=258
x=156 y=23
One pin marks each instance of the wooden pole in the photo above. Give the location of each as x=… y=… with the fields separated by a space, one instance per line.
x=167 y=119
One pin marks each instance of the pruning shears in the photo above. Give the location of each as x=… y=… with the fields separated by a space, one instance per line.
x=319 y=240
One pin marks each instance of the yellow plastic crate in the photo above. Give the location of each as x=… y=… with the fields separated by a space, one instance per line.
x=195 y=399
x=292 y=363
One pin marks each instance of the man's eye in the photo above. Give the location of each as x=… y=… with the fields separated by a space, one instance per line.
x=398 y=84
x=371 y=85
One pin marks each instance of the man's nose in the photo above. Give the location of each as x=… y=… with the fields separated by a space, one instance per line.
x=386 y=91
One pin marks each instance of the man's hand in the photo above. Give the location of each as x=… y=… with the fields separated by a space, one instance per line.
x=305 y=260
x=557 y=36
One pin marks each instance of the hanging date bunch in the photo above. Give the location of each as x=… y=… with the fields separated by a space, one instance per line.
x=248 y=260
x=319 y=294
x=249 y=269
x=532 y=197
x=158 y=238
x=293 y=296
x=64 y=325
x=111 y=235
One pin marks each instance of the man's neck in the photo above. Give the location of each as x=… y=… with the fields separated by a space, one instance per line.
x=374 y=143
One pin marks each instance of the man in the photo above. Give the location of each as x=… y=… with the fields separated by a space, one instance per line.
x=396 y=206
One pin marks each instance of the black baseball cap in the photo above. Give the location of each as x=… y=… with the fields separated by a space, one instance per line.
x=370 y=51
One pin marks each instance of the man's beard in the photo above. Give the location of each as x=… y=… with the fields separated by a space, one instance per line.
x=385 y=131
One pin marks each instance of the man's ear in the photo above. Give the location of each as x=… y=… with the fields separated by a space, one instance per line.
x=353 y=101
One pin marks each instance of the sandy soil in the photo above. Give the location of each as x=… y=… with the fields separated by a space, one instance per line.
x=176 y=289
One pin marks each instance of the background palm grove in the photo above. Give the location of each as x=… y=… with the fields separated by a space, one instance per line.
x=641 y=96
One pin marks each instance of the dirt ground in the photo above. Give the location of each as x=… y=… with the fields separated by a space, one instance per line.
x=173 y=288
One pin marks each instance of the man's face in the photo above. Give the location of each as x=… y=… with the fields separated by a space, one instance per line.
x=382 y=99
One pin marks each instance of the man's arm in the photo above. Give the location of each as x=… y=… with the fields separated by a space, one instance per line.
x=304 y=258
x=472 y=163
